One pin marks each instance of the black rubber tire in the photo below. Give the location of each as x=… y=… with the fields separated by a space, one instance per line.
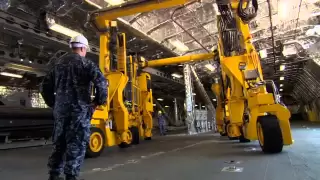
x=148 y=138
x=271 y=130
x=124 y=145
x=135 y=138
x=226 y=130
x=135 y=135
x=89 y=152
x=223 y=134
x=233 y=138
x=242 y=139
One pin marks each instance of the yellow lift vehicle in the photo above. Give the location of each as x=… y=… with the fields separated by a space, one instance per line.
x=246 y=109
x=127 y=114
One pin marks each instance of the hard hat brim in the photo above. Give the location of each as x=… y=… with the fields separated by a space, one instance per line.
x=80 y=45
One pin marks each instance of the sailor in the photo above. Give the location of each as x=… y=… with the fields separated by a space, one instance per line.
x=67 y=90
x=161 y=123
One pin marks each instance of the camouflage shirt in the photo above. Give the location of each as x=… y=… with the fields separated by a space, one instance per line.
x=69 y=83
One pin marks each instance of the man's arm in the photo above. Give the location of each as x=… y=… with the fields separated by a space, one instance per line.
x=47 y=89
x=100 y=85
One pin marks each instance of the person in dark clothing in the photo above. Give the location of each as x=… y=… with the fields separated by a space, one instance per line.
x=161 y=123
x=67 y=89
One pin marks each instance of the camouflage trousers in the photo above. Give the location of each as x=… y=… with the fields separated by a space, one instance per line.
x=70 y=138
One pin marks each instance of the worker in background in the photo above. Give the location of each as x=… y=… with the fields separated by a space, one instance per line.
x=128 y=104
x=161 y=123
x=67 y=89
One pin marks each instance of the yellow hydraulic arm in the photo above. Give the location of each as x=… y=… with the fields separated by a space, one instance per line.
x=99 y=17
x=178 y=60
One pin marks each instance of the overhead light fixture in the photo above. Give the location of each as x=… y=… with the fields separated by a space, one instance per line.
x=281 y=90
x=166 y=106
x=143 y=59
x=194 y=94
x=196 y=105
x=281 y=78
x=63 y=30
x=312 y=1
x=310 y=32
x=154 y=104
x=216 y=9
x=11 y=75
x=315 y=14
x=93 y=4
x=179 y=45
x=19 y=67
x=210 y=67
x=60 y=29
x=289 y=50
x=263 y=53
x=180 y=65
x=159 y=99
x=203 y=106
x=282 y=67
x=283 y=10
x=214 y=99
x=176 y=75
x=114 y=2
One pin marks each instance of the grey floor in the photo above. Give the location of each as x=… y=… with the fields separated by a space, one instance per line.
x=176 y=157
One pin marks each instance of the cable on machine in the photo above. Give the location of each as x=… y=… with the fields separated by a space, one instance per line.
x=247 y=13
x=228 y=28
x=113 y=47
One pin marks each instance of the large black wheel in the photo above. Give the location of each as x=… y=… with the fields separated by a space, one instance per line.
x=269 y=134
x=226 y=127
x=135 y=135
x=124 y=145
x=148 y=138
x=242 y=139
x=135 y=138
x=223 y=134
x=96 y=143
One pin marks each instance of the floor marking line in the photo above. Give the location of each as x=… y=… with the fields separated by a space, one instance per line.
x=134 y=161
x=265 y=173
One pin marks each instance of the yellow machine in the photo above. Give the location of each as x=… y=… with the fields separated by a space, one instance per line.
x=254 y=112
x=246 y=109
x=127 y=114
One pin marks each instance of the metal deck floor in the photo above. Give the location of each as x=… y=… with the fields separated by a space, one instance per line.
x=183 y=157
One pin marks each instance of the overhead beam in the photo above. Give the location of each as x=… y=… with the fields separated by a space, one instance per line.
x=15 y=63
x=179 y=60
x=24 y=29
x=163 y=75
x=134 y=8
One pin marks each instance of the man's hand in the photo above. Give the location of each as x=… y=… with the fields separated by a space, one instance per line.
x=94 y=106
x=106 y=70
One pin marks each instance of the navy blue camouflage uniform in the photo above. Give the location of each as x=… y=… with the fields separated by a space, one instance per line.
x=161 y=123
x=67 y=89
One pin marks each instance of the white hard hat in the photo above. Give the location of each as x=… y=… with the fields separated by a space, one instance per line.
x=79 y=41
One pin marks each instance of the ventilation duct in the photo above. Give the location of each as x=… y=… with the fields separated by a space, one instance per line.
x=203 y=93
